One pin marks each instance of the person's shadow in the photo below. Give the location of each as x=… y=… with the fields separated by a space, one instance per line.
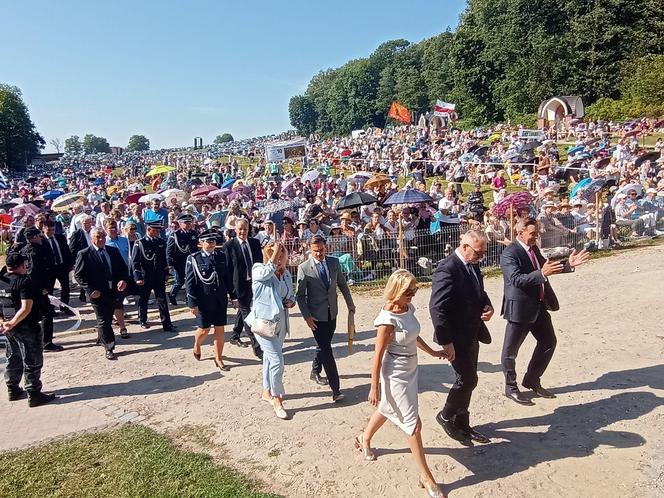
x=573 y=431
x=156 y=384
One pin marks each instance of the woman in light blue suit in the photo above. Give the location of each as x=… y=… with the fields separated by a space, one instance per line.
x=272 y=285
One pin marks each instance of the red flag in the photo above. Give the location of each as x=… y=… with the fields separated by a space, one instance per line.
x=399 y=112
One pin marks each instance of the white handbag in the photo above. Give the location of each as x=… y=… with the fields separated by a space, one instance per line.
x=263 y=328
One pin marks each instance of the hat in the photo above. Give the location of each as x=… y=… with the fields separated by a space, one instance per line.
x=185 y=218
x=549 y=205
x=302 y=222
x=288 y=219
x=346 y=216
x=268 y=221
x=32 y=232
x=335 y=226
x=564 y=204
x=651 y=191
x=577 y=202
x=621 y=196
x=209 y=234
x=549 y=190
x=155 y=223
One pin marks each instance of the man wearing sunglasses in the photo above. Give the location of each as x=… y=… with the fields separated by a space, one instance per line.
x=459 y=306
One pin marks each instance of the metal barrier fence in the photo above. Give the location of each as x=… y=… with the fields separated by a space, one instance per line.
x=369 y=260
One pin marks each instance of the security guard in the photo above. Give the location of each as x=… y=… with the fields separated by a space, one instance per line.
x=179 y=246
x=209 y=285
x=20 y=325
x=149 y=268
x=41 y=268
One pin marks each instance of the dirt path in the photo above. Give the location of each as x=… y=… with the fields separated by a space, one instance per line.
x=600 y=437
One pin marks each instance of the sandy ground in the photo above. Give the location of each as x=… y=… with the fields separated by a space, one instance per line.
x=602 y=435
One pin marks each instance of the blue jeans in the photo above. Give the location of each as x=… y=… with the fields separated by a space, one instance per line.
x=273 y=359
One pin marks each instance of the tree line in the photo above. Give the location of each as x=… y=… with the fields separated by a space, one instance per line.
x=504 y=58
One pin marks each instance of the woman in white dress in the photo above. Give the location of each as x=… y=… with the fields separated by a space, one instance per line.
x=394 y=373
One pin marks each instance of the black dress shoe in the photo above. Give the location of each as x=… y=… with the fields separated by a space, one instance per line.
x=518 y=397
x=67 y=312
x=259 y=353
x=453 y=431
x=318 y=379
x=15 y=393
x=541 y=392
x=172 y=300
x=145 y=325
x=169 y=328
x=39 y=398
x=477 y=436
x=239 y=343
x=124 y=334
x=53 y=347
x=110 y=355
x=338 y=396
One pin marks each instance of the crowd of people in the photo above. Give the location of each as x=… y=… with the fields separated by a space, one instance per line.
x=265 y=237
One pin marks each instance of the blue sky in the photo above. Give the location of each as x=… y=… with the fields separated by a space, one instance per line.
x=176 y=70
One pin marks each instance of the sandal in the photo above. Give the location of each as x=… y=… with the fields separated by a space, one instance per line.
x=368 y=453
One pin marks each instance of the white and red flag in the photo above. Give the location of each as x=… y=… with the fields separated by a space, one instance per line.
x=444 y=108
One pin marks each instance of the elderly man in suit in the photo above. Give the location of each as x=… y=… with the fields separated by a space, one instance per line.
x=79 y=240
x=459 y=306
x=102 y=273
x=316 y=295
x=242 y=252
x=527 y=299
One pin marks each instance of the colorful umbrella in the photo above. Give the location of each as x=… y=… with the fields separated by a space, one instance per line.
x=516 y=201
x=52 y=194
x=203 y=191
x=289 y=183
x=64 y=202
x=582 y=184
x=311 y=176
x=29 y=208
x=133 y=198
x=173 y=192
x=160 y=169
x=649 y=156
x=150 y=198
x=228 y=183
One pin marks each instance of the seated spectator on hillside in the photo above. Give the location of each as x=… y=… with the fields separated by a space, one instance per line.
x=553 y=233
x=626 y=214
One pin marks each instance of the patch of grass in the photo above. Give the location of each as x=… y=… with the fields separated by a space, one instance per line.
x=132 y=461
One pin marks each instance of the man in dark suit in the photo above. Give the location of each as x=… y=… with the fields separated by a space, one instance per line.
x=527 y=299
x=102 y=273
x=62 y=259
x=459 y=306
x=242 y=252
x=316 y=295
x=40 y=264
x=79 y=240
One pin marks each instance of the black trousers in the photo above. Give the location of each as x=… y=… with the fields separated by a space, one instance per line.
x=178 y=280
x=47 y=318
x=515 y=333
x=244 y=307
x=25 y=357
x=144 y=291
x=324 y=358
x=61 y=274
x=458 y=399
x=104 y=306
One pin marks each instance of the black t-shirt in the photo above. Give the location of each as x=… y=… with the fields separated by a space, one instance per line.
x=22 y=287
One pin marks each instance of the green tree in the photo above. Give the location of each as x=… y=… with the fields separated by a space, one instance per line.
x=644 y=79
x=302 y=114
x=138 y=143
x=223 y=139
x=93 y=144
x=19 y=140
x=73 y=145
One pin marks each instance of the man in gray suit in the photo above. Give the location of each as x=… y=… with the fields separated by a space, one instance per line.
x=317 y=281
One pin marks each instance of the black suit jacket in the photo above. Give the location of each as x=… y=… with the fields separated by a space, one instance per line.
x=92 y=276
x=237 y=266
x=67 y=258
x=456 y=304
x=77 y=242
x=522 y=281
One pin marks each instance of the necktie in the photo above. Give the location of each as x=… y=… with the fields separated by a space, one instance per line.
x=323 y=275
x=56 y=251
x=247 y=258
x=473 y=277
x=533 y=260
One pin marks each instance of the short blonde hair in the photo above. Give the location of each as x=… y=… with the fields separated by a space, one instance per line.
x=398 y=283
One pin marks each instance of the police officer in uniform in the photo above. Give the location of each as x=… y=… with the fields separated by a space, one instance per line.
x=20 y=325
x=209 y=285
x=179 y=246
x=41 y=268
x=149 y=268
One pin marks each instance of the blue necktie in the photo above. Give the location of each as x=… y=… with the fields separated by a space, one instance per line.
x=323 y=275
